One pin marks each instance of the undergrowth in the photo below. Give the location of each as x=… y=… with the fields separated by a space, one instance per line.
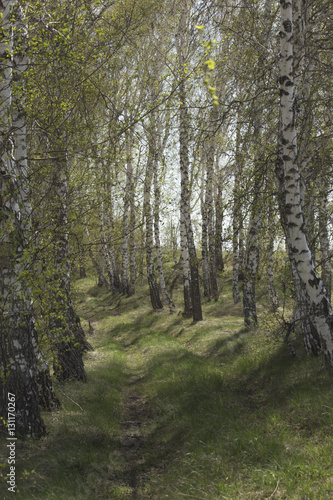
x=213 y=410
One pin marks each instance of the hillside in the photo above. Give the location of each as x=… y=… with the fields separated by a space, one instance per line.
x=179 y=410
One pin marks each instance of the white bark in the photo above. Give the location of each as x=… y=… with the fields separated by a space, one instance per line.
x=204 y=236
x=184 y=258
x=153 y=288
x=270 y=267
x=66 y=328
x=105 y=248
x=102 y=281
x=132 y=246
x=218 y=193
x=184 y=124
x=160 y=270
x=110 y=239
x=325 y=250
x=18 y=339
x=210 y=210
x=251 y=267
x=236 y=223
x=126 y=211
x=322 y=313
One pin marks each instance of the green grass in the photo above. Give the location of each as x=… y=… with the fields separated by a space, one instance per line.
x=214 y=411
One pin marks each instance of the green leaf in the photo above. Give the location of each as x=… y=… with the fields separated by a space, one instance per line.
x=210 y=63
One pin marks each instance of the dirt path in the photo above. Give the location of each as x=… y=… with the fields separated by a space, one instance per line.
x=134 y=431
x=133 y=437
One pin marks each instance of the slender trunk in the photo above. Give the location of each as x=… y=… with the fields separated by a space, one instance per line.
x=127 y=205
x=105 y=250
x=218 y=222
x=160 y=270
x=184 y=125
x=69 y=337
x=210 y=212
x=102 y=281
x=204 y=239
x=235 y=238
x=185 y=203
x=132 y=248
x=270 y=266
x=184 y=257
x=325 y=251
x=124 y=253
x=251 y=267
x=110 y=239
x=153 y=287
x=253 y=241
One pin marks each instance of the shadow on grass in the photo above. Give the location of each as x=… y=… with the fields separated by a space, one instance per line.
x=250 y=418
x=74 y=459
x=235 y=340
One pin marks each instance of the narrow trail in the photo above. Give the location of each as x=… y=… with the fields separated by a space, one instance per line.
x=133 y=437
x=140 y=454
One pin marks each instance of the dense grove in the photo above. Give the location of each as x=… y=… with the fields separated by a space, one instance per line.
x=137 y=132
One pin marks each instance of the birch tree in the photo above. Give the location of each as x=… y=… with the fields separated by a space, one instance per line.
x=152 y=159
x=187 y=237
x=288 y=174
x=18 y=338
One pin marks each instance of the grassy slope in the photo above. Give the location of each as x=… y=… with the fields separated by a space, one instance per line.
x=176 y=410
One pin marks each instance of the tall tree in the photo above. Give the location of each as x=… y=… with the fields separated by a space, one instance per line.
x=18 y=346
x=186 y=223
x=288 y=175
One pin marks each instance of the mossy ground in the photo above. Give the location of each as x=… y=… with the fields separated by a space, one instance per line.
x=179 y=410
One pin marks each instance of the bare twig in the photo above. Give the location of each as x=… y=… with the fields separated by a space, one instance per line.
x=77 y=404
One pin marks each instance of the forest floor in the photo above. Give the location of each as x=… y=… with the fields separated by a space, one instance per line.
x=177 y=410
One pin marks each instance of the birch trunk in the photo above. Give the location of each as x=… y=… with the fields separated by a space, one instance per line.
x=325 y=251
x=292 y=206
x=302 y=70
x=185 y=262
x=18 y=339
x=218 y=221
x=251 y=267
x=204 y=237
x=69 y=337
x=124 y=253
x=236 y=228
x=110 y=239
x=132 y=247
x=160 y=270
x=270 y=266
x=153 y=287
x=101 y=280
x=210 y=211
x=127 y=203
x=185 y=204
x=184 y=125
x=47 y=398
x=131 y=240
x=105 y=250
